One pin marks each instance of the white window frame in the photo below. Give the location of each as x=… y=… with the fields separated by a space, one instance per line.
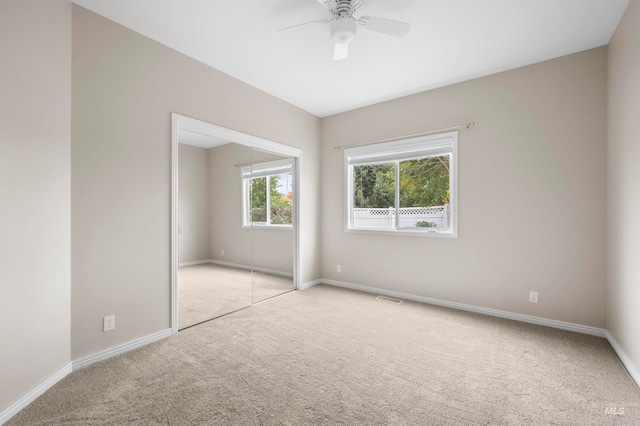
x=264 y=169
x=402 y=150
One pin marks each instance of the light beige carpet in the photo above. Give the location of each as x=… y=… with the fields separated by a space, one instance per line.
x=208 y=291
x=329 y=356
x=268 y=285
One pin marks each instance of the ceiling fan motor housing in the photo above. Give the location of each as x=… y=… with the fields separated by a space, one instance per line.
x=343 y=30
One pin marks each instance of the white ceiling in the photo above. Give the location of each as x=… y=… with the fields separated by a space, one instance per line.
x=449 y=41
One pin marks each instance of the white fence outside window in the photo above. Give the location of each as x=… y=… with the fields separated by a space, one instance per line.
x=408 y=217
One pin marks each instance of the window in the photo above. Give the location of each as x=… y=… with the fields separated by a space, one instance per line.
x=267 y=194
x=407 y=186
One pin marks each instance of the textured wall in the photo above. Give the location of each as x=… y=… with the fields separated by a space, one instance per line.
x=531 y=193
x=623 y=173
x=35 y=135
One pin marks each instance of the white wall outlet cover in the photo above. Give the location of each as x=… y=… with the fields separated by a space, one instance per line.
x=533 y=297
x=109 y=323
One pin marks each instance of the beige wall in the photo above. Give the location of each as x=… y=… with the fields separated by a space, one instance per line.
x=623 y=150
x=262 y=248
x=125 y=87
x=531 y=193
x=193 y=200
x=272 y=249
x=226 y=205
x=35 y=134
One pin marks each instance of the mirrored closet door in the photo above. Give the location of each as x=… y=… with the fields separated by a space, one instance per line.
x=236 y=221
x=214 y=274
x=268 y=185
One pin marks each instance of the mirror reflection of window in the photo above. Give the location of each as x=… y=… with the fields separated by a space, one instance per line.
x=268 y=193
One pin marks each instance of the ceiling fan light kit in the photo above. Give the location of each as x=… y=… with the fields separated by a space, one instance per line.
x=344 y=24
x=343 y=30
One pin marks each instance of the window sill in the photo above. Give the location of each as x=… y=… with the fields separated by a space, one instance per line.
x=402 y=232
x=279 y=227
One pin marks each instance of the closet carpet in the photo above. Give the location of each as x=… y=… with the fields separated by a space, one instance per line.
x=330 y=356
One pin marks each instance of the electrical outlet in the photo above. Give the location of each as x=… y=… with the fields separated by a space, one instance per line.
x=222 y=252
x=533 y=297
x=109 y=323
x=339 y=268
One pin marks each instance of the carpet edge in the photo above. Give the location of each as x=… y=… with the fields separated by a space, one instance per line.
x=562 y=325
x=626 y=361
x=34 y=393
x=120 y=349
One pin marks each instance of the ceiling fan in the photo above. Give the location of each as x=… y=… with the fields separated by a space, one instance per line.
x=343 y=24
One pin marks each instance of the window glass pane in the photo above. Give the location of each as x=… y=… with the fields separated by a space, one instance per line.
x=258 y=212
x=280 y=197
x=406 y=186
x=424 y=193
x=374 y=196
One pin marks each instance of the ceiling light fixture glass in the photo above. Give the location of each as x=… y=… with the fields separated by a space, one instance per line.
x=343 y=30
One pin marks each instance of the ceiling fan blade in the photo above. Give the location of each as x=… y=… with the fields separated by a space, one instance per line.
x=385 y=26
x=357 y=5
x=340 y=51
x=317 y=23
x=329 y=4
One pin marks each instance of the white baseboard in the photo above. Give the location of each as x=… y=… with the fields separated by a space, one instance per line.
x=28 y=398
x=34 y=393
x=585 y=329
x=254 y=268
x=634 y=372
x=230 y=264
x=239 y=266
x=626 y=361
x=273 y=272
x=194 y=262
x=310 y=284
x=120 y=349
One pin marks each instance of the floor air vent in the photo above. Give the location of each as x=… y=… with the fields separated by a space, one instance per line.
x=388 y=299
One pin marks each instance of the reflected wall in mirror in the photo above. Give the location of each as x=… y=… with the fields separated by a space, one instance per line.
x=268 y=209
x=214 y=274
